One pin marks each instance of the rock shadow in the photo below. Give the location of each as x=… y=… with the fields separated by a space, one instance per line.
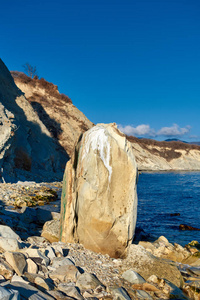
x=30 y=153
x=51 y=124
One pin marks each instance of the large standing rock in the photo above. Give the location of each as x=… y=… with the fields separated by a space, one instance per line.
x=99 y=199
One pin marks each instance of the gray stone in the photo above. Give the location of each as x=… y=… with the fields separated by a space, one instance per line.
x=5 y=269
x=133 y=277
x=61 y=261
x=173 y=291
x=193 y=270
x=143 y=295
x=120 y=294
x=88 y=281
x=65 y=273
x=17 y=261
x=45 y=284
x=58 y=295
x=28 y=292
x=7 y=232
x=71 y=291
x=8 y=294
x=9 y=244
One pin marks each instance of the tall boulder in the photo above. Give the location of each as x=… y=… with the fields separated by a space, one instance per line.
x=99 y=198
x=27 y=150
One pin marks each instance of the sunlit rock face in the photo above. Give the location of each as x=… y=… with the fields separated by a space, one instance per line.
x=99 y=199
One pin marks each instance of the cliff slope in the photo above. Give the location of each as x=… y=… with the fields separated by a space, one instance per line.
x=153 y=155
x=27 y=150
x=64 y=121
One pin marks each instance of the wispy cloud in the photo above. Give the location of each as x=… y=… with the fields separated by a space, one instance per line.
x=140 y=130
x=145 y=130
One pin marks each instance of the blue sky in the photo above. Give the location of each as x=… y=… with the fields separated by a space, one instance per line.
x=136 y=63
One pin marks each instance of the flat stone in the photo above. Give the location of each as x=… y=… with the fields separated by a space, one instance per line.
x=31 y=276
x=133 y=277
x=7 y=232
x=28 y=292
x=71 y=291
x=88 y=281
x=9 y=244
x=58 y=295
x=8 y=294
x=17 y=278
x=174 y=291
x=61 y=261
x=45 y=284
x=143 y=295
x=6 y=269
x=120 y=294
x=31 y=266
x=17 y=261
x=65 y=273
x=194 y=270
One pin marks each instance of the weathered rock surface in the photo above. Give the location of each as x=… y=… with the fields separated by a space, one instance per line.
x=147 y=264
x=27 y=150
x=99 y=200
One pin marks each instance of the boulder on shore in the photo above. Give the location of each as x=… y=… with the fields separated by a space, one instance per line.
x=99 y=198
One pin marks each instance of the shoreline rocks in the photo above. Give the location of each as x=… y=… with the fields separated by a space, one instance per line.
x=38 y=269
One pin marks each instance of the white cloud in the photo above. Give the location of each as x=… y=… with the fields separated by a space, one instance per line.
x=146 y=130
x=142 y=129
x=174 y=130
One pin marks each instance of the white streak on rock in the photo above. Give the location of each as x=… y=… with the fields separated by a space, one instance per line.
x=97 y=139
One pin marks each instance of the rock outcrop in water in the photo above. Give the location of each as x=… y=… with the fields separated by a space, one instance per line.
x=99 y=200
x=27 y=150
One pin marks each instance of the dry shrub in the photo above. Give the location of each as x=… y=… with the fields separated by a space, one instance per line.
x=49 y=87
x=22 y=160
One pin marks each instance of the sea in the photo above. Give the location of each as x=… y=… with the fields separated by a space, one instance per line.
x=166 y=200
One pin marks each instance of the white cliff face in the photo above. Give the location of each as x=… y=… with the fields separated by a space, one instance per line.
x=99 y=200
x=97 y=140
x=165 y=156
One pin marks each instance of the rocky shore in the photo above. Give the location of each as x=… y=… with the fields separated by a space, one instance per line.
x=34 y=264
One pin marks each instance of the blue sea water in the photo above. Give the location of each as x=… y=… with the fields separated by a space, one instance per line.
x=163 y=194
